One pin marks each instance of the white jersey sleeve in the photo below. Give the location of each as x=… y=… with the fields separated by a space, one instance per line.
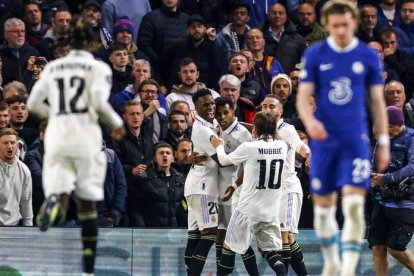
x=36 y=102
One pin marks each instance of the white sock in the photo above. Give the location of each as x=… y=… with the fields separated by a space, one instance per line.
x=352 y=233
x=88 y=274
x=326 y=228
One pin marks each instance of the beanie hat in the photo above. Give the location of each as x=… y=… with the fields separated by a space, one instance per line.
x=123 y=24
x=281 y=76
x=395 y=115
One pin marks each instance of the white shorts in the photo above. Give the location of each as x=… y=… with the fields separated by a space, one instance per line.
x=289 y=212
x=202 y=212
x=241 y=230
x=84 y=174
x=224 y=216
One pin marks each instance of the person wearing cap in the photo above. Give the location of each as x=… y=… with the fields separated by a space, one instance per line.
x=198 y=46
x=281 y=86
x=232 y=37
x=393 y=212
x=160 y=30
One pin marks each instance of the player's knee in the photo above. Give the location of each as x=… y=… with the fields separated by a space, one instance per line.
x=324 y=222
x=209 y=231
x=353 y=209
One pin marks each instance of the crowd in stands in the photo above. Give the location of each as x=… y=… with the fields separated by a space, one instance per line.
x=161 y=52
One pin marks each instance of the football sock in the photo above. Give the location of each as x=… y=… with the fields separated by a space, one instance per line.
x=275 y=261
x=200 y=253
x=249 y=260
x=192 y=241
x=296 y=261
x=285 y=254
x=89 y=224
x=326 y=228
x=226 y=263
x=219 y=248
x=352 y=233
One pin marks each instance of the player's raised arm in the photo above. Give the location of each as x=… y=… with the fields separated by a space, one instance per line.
x=36 y=101
x=382 y=155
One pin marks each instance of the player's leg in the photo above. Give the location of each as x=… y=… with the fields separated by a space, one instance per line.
x=223 y=220
x=194 y=236
x=269 y=241
x=285 y=252
x=326 y=228
x=206 y=213
x=88 y=219
x=405 y=257
x=379 y=255
x=284 y=214
x=353 y=231
x=377 y=238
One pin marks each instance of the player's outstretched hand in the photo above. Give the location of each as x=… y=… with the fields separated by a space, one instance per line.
x=216 y=141
x=316 y=130
x=118 y=133
x=228 y=193
x=382 y=157
x=196 y=158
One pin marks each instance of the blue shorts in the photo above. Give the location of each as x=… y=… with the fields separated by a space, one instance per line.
x=339 y=162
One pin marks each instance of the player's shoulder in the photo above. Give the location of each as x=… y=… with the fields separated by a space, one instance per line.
x=318 y=47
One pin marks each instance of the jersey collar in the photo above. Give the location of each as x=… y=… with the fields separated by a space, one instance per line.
x=336 y=48
x=231 y=127
x=279 y=123
x=80 y=53
x=206 y=123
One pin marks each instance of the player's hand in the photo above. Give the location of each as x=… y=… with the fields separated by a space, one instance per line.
x=139 y=169
x=216 y=141
x=382 y=157
x=377 y=179
x=307 y=165
x=118 y=133
x=195 y=158
x=211 y=33
x=316 y=130
x=228 y=193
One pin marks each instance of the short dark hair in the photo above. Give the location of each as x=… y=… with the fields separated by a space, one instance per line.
x=61 y=42
x=387 y=32
x=238 y=54
x=184 y=140
x=187 y=61
x=116 y=46
x=162 y=145
x=148 y=81
x=16 y=99
x=201 y=93
x=177 y=102
x=265 y=125
x=3 y=106
x=176 y=112
x=222 y=101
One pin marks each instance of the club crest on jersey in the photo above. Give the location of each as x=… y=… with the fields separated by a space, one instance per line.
x=357 y=67
x=341 y=92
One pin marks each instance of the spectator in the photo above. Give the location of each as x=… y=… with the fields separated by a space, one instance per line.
x=18 y=118
x=387 y=15
x=4 y=115
x=181 y=154
x=389 y=72
x=36 y=29
x=405 y=30
x=136 y=149
x=158 y=193
x=395 y=96
x=115 y=191
x=282 y=41
x=15 y=51
x=61 y=47
x=307 y=25
x=199 y=47
x=60 y=28
x=34 y=161
x=16 y=197
x=230 y=88
x=50 y=7
x=258 y=11
x=232 y=37
x=9 y=9
x=214 y=12
x=282 y=88
x=250 y=89
x=113 y=10
x=121 y=71
x=397 y=60
x=184 y=107
x=177 y=128
x=14 y=88
x=35 y=66
x=368 y=24
x=160 y=30
x=141 y=71
x=391 y=220
x=188 y=75
x=265 y=66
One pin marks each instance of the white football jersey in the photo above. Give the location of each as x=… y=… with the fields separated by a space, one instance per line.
x=202 y=179
x=233 y=136
x=263 y=167
x=288 y=133
x=76 y=88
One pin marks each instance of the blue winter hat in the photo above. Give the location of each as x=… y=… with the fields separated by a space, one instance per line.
x=395 y=115
x=123 y=24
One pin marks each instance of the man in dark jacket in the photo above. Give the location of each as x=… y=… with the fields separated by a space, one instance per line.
x=160 y=30
x=15 y=51
x=282 y=40
x=158 y=193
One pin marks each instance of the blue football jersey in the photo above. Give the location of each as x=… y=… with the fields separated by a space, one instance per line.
x=342 y=78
